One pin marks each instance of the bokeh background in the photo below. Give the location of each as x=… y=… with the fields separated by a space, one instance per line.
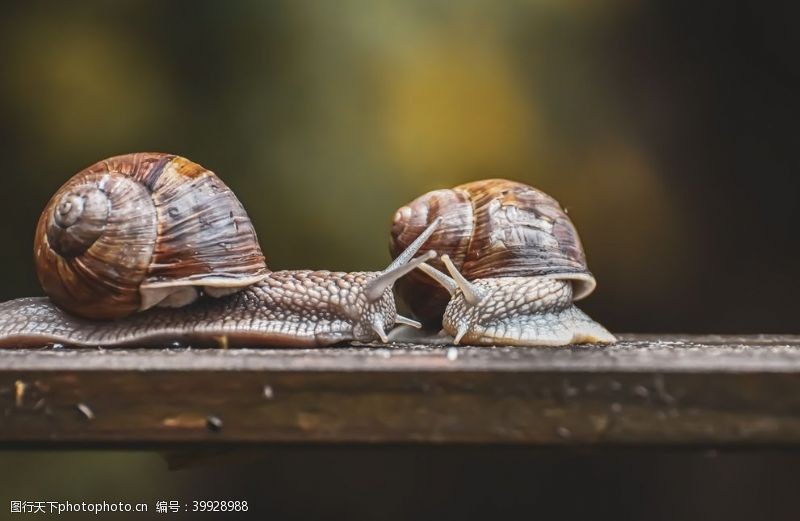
x=668 y=129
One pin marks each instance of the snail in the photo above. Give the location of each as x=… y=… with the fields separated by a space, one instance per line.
x=128 y=246
x=515 y=265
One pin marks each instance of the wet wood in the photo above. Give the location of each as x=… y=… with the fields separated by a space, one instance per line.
x=677 y=390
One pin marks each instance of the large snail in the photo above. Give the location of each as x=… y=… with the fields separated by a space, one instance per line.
x=143 y=231
x=515 y=260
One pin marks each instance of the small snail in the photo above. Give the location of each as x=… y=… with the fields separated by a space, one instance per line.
x=515 y=261
x=143 y=231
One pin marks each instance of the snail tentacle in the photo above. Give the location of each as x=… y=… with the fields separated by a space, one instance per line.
x=408 y=322
x=414 y=247
x=446 y=282
x=386 y=279
x=403 y=264
x=471 y=292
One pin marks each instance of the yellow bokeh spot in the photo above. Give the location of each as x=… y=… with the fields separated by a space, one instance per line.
x=453 y=107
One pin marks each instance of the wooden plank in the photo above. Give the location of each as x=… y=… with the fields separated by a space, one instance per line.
x=684 y=390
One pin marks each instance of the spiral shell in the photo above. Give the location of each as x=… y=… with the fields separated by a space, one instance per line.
x=491 y=228
x=140 y=230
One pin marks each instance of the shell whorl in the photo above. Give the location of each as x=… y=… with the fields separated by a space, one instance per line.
x=77 y=220
x=124 y=233
x=492 y=228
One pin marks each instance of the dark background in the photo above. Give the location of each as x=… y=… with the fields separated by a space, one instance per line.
x=668 y=129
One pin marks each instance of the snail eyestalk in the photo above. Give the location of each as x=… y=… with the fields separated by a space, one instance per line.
x=389 y=276
x=400 y=319
x=414 y=247
x=471 y=293
x=446 y=282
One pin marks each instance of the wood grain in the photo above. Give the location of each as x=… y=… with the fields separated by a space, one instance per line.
x=646 y=390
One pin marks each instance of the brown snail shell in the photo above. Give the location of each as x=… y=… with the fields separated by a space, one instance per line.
x=140 y=230
x=490 y=228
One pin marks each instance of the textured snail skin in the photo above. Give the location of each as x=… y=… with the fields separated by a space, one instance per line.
x=286 y=309
x=529 y=311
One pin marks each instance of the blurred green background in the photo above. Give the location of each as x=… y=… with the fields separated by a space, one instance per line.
x=668 y=130
x=669 y=135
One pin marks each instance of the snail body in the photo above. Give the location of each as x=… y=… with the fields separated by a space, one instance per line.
x=287 y=309
x=515 y=261
x=127 y=247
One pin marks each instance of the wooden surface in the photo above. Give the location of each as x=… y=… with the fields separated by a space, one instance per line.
x=682 y=390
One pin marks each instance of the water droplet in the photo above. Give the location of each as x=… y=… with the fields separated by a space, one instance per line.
x=268 y=392
x=641 y=391
x=85 y=411
x=452 y=353
x=56 y=346
x=214 y=423
x=563 y=432
x=616 y=407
